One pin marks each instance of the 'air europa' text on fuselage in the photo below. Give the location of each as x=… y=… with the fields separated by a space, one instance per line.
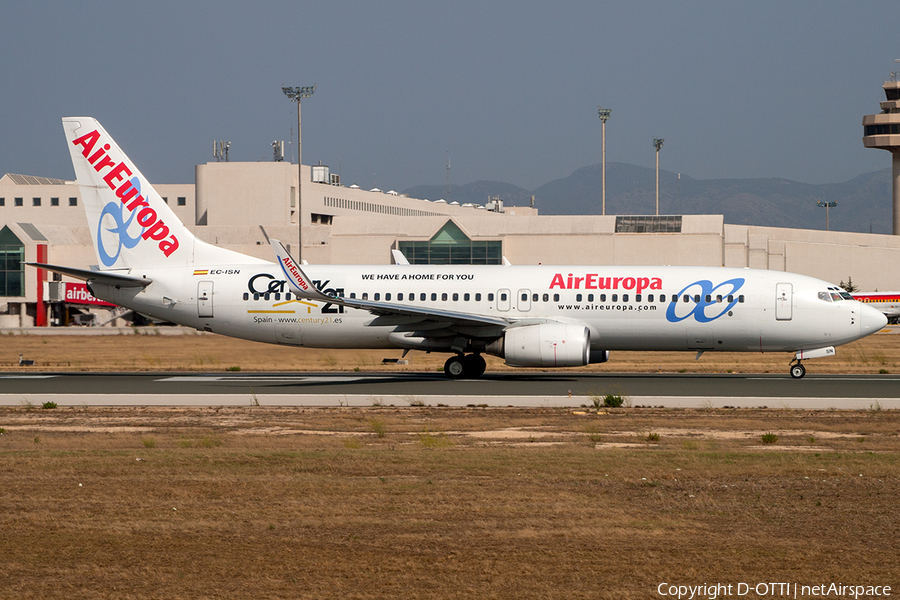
x=593 y=281
x=154 y=227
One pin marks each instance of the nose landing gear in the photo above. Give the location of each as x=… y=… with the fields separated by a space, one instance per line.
x=470 y=366
x=797 y=369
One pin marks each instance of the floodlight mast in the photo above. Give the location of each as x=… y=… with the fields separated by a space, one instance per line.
x=604 y=116
x=827 y=206
x=296 y=94
x=658 y=144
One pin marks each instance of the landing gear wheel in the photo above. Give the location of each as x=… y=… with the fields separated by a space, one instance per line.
x=798 y=371
x=474 y=366
x=454 y=368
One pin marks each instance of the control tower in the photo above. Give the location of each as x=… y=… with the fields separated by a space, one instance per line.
x=883 y=131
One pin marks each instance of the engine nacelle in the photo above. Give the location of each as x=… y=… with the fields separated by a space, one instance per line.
x=599 y=356
x=546 y=345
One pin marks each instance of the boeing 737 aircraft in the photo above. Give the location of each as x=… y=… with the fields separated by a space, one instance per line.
x=531 y=316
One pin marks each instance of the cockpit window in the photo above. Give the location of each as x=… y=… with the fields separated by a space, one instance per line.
x=838 y=294
x=825 y=296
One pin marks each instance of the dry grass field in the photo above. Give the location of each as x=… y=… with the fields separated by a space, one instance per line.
x=421 y=502
x=196 y=352
x=441 y=502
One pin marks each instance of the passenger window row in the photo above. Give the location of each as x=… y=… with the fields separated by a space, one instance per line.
x=466 y=297
x=662 y=298
x=423 y=297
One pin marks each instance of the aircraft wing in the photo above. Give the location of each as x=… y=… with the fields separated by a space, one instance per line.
x=427 y=322
x=104 y=277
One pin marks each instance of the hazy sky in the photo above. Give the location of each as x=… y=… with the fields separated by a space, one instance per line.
x=509 y=90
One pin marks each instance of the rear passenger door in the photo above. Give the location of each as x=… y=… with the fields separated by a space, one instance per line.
x=205 y=299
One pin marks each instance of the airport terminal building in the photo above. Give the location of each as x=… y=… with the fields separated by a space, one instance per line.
x=238 y=204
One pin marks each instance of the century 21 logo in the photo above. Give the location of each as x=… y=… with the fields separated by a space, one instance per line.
x=707 y=308
x=264 y=283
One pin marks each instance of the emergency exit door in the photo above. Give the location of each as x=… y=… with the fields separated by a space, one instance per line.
x=503 y=300
x=524 y=300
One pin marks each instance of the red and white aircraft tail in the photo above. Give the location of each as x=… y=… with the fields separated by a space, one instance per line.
x=131 y=225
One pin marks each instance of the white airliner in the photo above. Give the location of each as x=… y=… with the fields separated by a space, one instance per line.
x=887 y=302
x=532 y=316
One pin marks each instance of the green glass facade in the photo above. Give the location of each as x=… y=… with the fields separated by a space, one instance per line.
x=450 y=246
x=12 y=265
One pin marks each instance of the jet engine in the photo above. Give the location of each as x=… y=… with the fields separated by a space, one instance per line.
x=599 y=356
x=544 y=345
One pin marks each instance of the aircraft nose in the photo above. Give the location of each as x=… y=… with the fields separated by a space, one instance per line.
x=870 y=319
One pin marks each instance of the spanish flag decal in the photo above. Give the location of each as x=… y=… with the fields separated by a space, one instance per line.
x=201 y=271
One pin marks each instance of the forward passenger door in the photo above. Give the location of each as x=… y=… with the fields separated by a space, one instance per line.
x=783 y=301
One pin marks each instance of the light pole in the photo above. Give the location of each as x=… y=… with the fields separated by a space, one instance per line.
x=657 y=143
x=296 y=94
x=827 y=206
x=604 y=116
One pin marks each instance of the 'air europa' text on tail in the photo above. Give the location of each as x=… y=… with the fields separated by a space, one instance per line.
x=129 y=193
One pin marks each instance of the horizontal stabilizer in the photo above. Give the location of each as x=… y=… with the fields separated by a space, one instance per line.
x=104 y=277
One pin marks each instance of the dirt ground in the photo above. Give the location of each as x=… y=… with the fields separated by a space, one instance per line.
x=422 y=502
x=874 y=354
x=261 y=502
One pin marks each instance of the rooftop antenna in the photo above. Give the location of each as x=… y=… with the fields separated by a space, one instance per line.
x=220 y=150
x=448 y=175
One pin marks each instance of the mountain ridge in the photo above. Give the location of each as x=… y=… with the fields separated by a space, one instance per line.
x=863 y=202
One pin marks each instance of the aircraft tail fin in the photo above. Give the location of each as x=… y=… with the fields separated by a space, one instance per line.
x=131 y=226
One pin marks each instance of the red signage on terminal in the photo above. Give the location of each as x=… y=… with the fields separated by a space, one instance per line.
x=78 y=293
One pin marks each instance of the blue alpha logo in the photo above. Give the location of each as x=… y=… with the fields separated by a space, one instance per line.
x=119 y=230
x=706 y=302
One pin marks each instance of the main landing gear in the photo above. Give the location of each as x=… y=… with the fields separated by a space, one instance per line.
x=470 y=366
x=797 y=369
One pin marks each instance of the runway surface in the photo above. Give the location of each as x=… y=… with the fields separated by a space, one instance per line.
x=405 y=389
